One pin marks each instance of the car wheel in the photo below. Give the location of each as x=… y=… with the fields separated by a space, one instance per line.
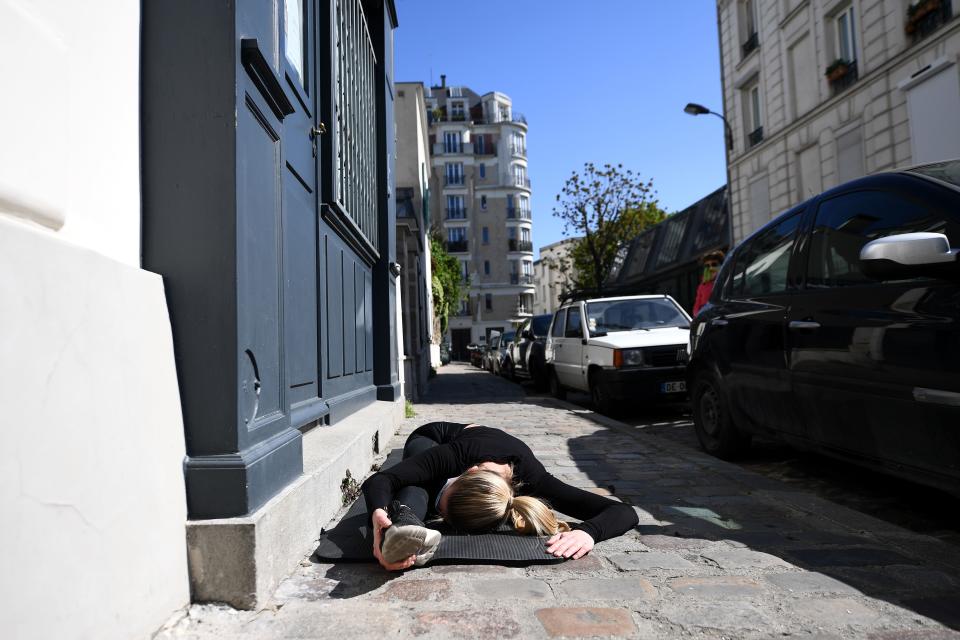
x=556 y=390
x=717 y=433
x=507 y=370
x=602 y=402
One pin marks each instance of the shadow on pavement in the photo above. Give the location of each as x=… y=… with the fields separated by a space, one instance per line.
x=691 y=500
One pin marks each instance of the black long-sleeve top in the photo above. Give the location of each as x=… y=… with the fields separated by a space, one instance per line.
x=602 y=518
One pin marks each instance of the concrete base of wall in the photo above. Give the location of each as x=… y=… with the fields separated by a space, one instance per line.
x=240 y=561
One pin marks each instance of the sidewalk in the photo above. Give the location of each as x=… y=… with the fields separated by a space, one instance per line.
x=720 y=552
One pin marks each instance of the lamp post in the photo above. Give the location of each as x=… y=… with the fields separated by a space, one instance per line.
x=698 y=110
x=695 y=109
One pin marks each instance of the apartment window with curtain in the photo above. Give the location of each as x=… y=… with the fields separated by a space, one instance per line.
x=748 y=27
x=520 y=176
x=465 y=270
x=454 y=173
x=488 y=301
x=485 y=235
x=453 y=142
x=457 y=234
x=486 y=267
x=455 y=208
x=457 y=110
x=483 y=170
x=842 y=70
x=846 y=42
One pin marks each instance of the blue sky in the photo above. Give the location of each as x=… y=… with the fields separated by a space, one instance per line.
x=598 y=80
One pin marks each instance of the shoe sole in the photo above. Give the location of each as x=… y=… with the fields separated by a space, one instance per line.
x=402 y=541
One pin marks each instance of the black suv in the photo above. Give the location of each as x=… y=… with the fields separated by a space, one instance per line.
x=837 y=327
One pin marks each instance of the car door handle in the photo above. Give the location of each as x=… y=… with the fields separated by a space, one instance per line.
x=804 y=325
x=719 y=322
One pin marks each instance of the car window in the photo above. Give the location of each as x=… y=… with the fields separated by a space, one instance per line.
x=540 y=325
x=557 y=331
x=761 y=263
x=574 y=329
x=607 y=316
x=847 y=222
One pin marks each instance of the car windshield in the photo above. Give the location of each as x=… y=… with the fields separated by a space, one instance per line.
x=507 y=338
x=541 y=324
x=607 y=316
x=944 y=171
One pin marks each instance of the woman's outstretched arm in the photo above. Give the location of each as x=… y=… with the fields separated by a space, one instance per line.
x=602 y=517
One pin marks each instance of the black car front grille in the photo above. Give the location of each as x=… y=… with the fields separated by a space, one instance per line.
x=674 y=355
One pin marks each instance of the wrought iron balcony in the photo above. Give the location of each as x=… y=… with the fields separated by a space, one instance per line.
x=522 y=214
x=457 y=246
x=518 y=150
x=458 y=117
x=521 y=182
x=519 y=245
x=752 y=43
x=842 y=76
x=521 y=278
x=927 y=16
x=453 y=180
x=485 y=149
x=456 y=214
x=755 y=137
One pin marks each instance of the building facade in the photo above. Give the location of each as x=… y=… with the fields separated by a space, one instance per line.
x=482 y=206
x=200 y=259
x=818 y=92
x=421 y=347
x=552 y=275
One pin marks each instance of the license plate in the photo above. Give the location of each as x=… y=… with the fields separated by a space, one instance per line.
x=673 y=387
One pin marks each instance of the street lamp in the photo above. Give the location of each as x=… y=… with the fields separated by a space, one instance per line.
x=695 y=109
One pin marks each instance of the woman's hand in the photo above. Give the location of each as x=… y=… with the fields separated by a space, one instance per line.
x=381 y=521
x=570 y=544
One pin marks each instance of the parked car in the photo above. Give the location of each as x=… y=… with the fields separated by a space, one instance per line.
x=490 y=351
x=525 y=353
x=836 y=327
x=476 y=354
x=624 y=348
x=497 y=358
x=444 y=353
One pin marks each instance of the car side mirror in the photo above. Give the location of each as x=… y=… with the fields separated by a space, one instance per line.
x=910 y=255
x=529 y=335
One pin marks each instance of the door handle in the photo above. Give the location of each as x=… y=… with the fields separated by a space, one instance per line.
x=804 y=325
x=318 y=130
x=719 y=322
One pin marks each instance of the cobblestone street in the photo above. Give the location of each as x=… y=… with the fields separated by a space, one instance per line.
x=720 y=552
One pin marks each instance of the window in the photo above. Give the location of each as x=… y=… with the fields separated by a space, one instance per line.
x=457 y=234
x=525 y=234
x=557 y=330
x=523 y=205
x=455 y=208
x=457 y=111
x=847 y=222
x=485 y=235
x=512 y=233
x=488 y=301
x=753 y=114
x=483 y=202
x=518 y=144
x=453 y=142
x=483 y=169
x=465 y=270
x=486 y=267
x=573 y=330
x=846 y=43
x=748 y=31
x=761 y=264
x=520 y=176
x=453 y=172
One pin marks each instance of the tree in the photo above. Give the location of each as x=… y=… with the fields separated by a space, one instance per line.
x=607 y=207
x=448 y=285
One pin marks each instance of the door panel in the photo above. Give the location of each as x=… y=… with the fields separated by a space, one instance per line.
x=300 y=302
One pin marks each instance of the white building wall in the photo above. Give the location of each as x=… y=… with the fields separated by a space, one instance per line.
x=814 y=139
x=91 y=439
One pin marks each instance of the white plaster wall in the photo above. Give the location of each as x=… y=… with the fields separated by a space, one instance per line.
x=91 y=444
x=69 y=117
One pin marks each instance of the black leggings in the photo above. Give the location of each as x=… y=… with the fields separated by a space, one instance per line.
x=423 y=438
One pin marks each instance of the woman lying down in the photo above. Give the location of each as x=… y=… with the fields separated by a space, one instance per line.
x=476 y=478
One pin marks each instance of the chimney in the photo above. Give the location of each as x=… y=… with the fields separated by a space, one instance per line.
x=443 y=81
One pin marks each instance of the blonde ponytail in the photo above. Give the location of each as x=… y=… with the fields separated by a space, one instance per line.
x=531 y=516
x=482 y=500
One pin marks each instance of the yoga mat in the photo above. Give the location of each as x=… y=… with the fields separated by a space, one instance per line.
x=351 y=540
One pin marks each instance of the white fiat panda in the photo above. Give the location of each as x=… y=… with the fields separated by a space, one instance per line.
x=629 y=348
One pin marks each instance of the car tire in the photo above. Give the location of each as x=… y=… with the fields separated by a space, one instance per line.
x=556 y=389
x=602 y=402
x=507 y=370
x=717 y=433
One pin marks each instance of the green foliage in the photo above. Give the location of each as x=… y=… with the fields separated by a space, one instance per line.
x=606 y=207
x=408 y=410
x=448 y=286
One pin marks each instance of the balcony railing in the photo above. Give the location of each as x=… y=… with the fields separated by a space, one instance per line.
x=518 y=150
x=521 y=278
x=752 y=43
x=927 y=16
x=457 y=246
x=521 y=182
x=486 y=149
x=456 y=214
x=464 y=311
x=843 y=76
x=755 y=137
x=519 y=245
x=522 y=214
x=453 y=180
x=458 y=117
